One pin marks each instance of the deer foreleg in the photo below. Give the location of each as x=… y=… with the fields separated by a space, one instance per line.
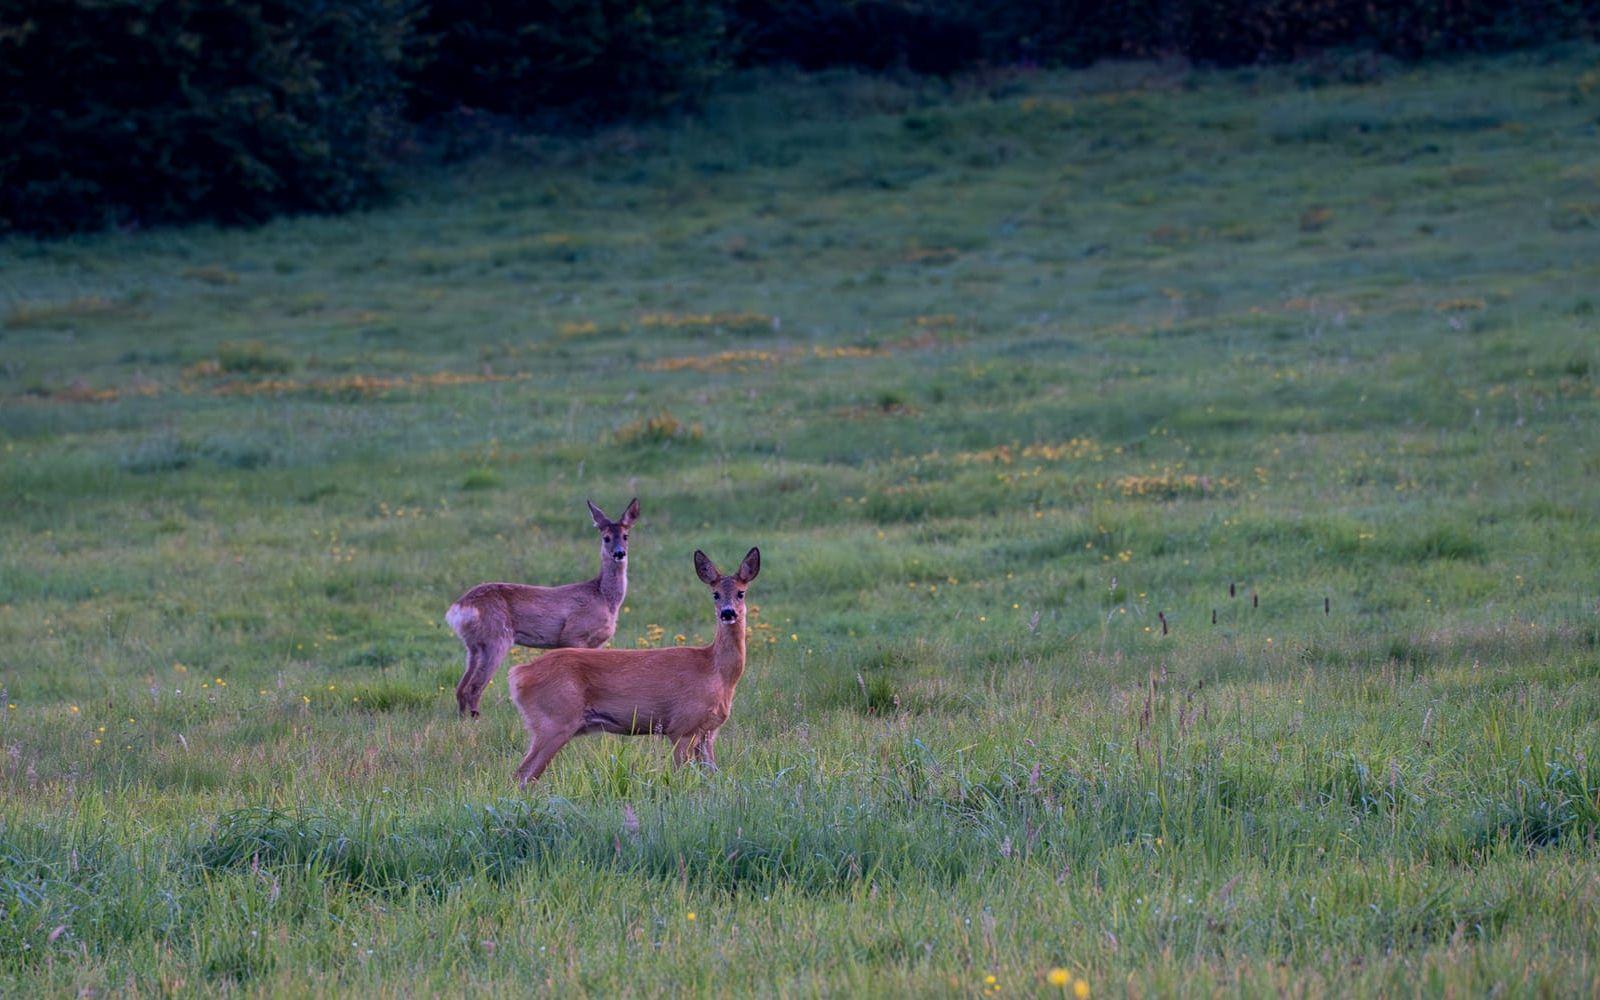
x=705 y=752
x=683 y=747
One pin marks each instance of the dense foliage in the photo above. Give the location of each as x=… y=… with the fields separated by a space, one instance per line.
x=942 y=35
x=141 y=111
x=603 y=57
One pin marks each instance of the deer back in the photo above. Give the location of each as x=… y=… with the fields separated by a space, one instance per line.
x=535 y=616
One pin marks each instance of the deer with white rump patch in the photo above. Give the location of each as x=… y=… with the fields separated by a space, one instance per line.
x=492 y=617
x=684 y=693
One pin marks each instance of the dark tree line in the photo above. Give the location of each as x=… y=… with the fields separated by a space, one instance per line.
x=118 y=112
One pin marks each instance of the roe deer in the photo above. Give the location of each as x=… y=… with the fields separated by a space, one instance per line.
x=492 y=617
x=683 y=693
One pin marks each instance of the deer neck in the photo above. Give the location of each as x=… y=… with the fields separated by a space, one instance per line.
x=613 y=581
x=727 y=650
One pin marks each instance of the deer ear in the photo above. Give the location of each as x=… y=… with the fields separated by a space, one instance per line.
x=706 y=569
x=632 y=513
x=750 y=567
x=600 y=519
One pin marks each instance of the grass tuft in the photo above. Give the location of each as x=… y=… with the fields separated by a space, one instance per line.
x=253 y=358
x=1445 y=542
x=660 y=429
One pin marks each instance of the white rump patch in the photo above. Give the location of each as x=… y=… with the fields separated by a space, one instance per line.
x=459 y=616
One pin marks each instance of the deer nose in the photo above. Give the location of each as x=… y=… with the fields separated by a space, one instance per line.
x=619 y=553
x=728 y=614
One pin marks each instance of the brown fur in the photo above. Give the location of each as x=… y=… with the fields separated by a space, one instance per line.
x=684 y=693
x=492 y=617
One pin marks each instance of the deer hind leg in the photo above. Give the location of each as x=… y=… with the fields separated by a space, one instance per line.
x=545 y=743
x=483 y=659
x=463 y=703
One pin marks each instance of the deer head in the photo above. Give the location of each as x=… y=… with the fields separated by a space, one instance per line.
x=728 y=591
x=614 y=534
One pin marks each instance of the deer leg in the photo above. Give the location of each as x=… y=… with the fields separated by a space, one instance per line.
x=540 y=751
x=683 y=747
x=463 y=703
x=518 y=775
x=483 y=661
x=705 y=752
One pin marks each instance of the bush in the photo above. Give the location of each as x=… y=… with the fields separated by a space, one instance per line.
x=116 y=112
x=597 y=59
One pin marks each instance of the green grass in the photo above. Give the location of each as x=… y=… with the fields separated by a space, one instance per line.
x=998 y=374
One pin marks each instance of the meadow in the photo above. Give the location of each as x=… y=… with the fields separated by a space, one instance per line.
x=1179 y=501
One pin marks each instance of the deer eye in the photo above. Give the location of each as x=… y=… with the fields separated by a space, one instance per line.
x=624 y=536
x=741 y=595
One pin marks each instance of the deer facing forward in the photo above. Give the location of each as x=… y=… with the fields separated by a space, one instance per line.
x=683 y=693
x=492 y=617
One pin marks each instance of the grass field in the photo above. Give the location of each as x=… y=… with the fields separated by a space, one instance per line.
x=1000 y=375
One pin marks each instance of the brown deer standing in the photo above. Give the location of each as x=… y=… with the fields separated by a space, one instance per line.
x=683 y=693
x=492 y=617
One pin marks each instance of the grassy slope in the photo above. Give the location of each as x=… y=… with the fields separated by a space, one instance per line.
x=993 y=375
